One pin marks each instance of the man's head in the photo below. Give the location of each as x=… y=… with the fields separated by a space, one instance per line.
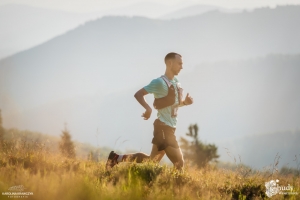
x=173 y=63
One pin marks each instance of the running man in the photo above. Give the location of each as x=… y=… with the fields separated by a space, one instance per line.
x=168 y=97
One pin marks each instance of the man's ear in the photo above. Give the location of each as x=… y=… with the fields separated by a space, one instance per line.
x=169 y=63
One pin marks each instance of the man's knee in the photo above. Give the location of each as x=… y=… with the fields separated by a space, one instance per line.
x=179 y=164
x=140 y=157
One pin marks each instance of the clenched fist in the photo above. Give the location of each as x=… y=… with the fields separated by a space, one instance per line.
x=188 y=100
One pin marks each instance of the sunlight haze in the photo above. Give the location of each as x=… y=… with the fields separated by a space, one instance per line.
x=82 y=6
x=80 y=62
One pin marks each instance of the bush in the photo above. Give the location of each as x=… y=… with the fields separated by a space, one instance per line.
x=197 y=152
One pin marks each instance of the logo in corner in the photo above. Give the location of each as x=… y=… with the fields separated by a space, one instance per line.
x=17 y=192
x=272 y=188
x=18 y=188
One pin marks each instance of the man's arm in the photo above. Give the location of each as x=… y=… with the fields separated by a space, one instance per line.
x=139 y=95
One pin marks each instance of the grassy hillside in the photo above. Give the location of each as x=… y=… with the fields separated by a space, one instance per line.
x=29 y=139
x=43 y=174
x=49 y=176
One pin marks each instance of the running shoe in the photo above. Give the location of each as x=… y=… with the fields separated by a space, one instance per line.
x=111 y=160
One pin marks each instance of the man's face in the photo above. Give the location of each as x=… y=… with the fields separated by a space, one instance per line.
x=176 y=65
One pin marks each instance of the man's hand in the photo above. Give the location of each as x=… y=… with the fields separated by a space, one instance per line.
x=147 y=114
x=139 y=95
x=188 y=100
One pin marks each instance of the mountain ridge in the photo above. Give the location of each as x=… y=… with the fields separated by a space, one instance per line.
x=109 y=59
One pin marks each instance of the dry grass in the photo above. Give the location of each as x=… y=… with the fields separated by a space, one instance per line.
x=51 y=176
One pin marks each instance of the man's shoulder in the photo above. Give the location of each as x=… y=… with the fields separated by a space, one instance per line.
x=158 y=87
x=158 y=81
x=164 y=81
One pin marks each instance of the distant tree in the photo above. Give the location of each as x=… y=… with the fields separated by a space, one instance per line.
x=197 y=152
x=1 y=131
x=289 y=170
x=66 y=146
x=91 y=156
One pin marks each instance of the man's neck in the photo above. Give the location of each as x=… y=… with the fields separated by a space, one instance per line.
x=169 y=75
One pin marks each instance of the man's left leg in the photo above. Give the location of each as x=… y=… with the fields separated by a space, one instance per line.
x=114 y=158
x=140 y=157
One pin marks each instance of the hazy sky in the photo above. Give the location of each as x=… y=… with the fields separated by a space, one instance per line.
x=100 y=5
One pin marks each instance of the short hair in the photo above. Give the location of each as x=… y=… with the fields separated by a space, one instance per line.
x=171 y=56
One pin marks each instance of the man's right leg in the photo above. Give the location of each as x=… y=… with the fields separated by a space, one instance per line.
x=176 y=157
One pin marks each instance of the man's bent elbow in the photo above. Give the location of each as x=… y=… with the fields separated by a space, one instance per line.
x=142 y=92
x=136 y=94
